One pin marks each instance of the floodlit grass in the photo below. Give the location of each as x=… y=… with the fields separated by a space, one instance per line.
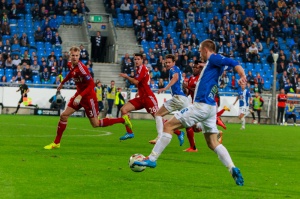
x=93 y=163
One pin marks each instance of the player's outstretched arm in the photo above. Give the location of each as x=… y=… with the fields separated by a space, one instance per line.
x=132 y=80
x=171 y=83
x=243 y=79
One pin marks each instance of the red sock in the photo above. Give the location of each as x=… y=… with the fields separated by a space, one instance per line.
x=220 y=112
x=128 y=130
x=110 y=121
x=177 y=132
x=60 y=130
x=190 y=135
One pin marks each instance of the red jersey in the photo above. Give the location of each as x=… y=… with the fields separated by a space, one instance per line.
x=281 y=98
x=142 y=75
x=192 y=85
x=82 y=78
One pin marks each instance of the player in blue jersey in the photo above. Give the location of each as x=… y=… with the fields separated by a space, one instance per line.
x=202 y=110
x=245 y=100
x=176 y=103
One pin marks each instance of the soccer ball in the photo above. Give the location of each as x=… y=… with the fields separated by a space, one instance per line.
x=132 y=166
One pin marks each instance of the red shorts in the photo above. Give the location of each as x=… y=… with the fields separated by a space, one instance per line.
x=149 y=103
x=88 y=102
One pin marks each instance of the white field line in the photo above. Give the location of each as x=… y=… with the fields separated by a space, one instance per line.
x=99 y=133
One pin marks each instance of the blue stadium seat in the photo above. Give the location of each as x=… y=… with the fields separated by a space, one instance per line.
x=75 y=20
x=67 y=20
x=8 y=71
x=121 y=22
x=249 y=65
x=115 y=20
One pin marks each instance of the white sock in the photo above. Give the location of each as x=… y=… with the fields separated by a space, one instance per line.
x=243 y=121
x=160 y=146
x=159 y=125
x=224 y=156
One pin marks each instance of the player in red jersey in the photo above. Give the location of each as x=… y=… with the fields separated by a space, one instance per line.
x=190 y=90
x=85 y=97
x=145 y=98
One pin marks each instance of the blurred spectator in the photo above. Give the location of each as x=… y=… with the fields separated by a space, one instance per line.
x=250 y=78
x=156 y=74
x=224 y=80
x=53 y=23
x=35 y=68
x=59 y=9
x=48 y=35
x=83 y=9
x=270 y=59
x=56 y=40
x=290 y=112
x=256 y=89
x=276 y=47
x=161 y=83
x=19 y=77
x=45 y=76
x=294 y=58
x=8 y=63
x=61 y=63
x=97 y=47
x=164 y=74
x=84 y=55
x=153 y=85
x=13 y=14
x=125 y=7
x=52 y=54
x=259 y=80
x=24 y=42
x=5 y=28
x=74 y=10
x=6 y=49
x=298 y=85
x=247 y=56
x=234 y=84
x=253 y=50
x=39 y=35
x=4 y=81
x=27 y=73
x=57 y=81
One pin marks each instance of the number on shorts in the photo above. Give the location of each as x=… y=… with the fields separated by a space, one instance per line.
x=153 y=110
x=183 y=110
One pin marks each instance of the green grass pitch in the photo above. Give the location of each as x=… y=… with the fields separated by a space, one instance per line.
x=93 y=163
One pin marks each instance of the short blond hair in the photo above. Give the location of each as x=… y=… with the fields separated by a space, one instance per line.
x=209 y=44
x=75 y=49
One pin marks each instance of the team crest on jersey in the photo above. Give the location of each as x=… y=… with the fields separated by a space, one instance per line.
x=87 y=77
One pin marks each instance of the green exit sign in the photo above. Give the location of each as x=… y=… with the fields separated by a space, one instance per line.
x=96 y=18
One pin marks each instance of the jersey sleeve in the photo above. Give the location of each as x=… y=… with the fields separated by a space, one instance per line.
x=220 y=61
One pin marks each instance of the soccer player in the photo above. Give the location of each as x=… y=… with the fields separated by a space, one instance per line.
x=85 y=97
x=24 y=90
x=245 y=99
x=258 y=103
x=190 y=90
x=145 y=98
x=202 y=110
x=176 y=103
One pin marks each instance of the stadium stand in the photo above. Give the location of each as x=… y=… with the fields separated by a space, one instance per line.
x=247 y=21
x=32 y=28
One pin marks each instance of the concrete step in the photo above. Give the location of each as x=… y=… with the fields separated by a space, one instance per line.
x=107 y=72
x=95 y=6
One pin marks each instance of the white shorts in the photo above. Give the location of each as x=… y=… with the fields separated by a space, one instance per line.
x=244 y=110
x=199 y=112
x=176 y=103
